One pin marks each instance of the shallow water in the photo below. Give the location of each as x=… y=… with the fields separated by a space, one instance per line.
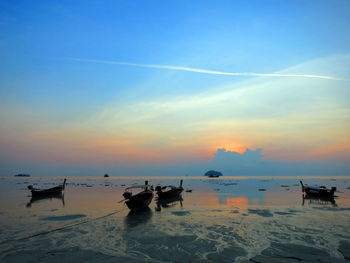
x=230 y=219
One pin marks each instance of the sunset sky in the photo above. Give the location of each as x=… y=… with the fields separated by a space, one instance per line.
x=94 y=83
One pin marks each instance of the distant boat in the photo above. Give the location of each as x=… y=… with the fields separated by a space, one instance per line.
x=22 y=175
x=169 y=191
x=140 y=200
x=106 y=175
x=316 y=190
x=213 y=173
x=48 y=192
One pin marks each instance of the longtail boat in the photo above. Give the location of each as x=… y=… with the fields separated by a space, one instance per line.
x=316 y=190
x=48 y=192
x=169 y=191
x=140 y=200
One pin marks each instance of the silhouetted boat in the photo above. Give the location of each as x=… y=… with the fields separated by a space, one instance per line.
x=213 y=173
x=316 y=190
x=138 y=201
x=169 y=191
x=48 y=192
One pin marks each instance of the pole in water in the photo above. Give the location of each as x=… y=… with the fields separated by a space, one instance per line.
x=302 y=186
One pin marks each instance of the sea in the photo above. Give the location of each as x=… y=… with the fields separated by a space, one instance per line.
x=225 y=219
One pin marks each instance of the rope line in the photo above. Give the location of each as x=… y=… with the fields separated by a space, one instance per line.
x=63 y=227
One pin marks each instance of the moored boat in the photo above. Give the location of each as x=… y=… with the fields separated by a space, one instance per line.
x=48 y=192
x=316 y=190
x=140 y=200
x=169 y=191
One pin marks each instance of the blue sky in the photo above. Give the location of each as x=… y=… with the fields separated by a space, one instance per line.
x=46 y=98
x=263 y=36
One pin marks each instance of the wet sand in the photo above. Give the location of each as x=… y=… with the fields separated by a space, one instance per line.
x=230 y=219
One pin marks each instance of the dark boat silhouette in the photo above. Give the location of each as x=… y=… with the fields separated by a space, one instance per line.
x=316 y=190
x=140 y=200
x=47 y=192
x=169 y=191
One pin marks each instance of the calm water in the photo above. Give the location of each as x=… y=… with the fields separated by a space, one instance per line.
x=217 y=215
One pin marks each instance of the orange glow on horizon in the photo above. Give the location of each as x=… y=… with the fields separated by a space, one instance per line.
x=84 y=145
x=237 y=201
x=233 y=147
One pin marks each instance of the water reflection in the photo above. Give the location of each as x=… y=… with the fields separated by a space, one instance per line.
x=166 y=203
x=313 y=200
x=37 y=199
x=135 y=218
x=238 y=192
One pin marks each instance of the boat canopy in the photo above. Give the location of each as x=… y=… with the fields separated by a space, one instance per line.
x=314 y=187
x=169 y=186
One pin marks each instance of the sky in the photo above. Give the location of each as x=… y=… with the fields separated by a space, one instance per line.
x=139 y=87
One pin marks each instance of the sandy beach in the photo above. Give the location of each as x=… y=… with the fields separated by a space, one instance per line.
x=230 y=219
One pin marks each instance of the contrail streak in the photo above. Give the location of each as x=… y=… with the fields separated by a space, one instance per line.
x=204 y=71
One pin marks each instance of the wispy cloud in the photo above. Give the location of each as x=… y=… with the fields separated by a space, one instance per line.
x=204 y=71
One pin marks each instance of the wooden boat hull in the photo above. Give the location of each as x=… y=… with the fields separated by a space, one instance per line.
x=169 y=191
x=140 y=201
x=319 y=192
x=169 y=194
x=48 y=192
